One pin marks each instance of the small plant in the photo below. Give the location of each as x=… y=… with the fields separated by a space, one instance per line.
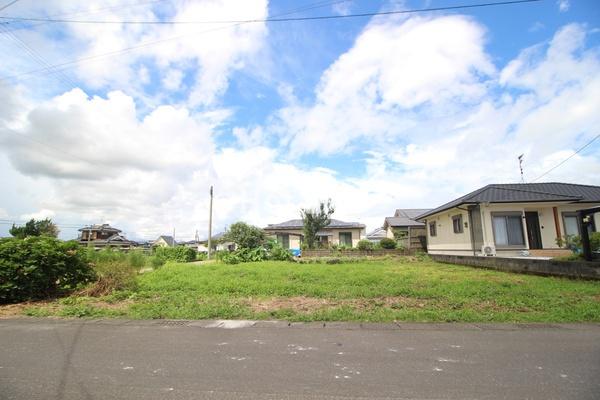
x=387 y=243
x=365 y=245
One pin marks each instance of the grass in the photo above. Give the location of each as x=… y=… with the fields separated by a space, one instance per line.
x=402 y=289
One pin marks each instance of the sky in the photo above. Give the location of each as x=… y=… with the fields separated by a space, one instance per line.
x=130 y=124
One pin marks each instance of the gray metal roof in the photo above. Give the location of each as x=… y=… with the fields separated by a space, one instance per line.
x=401 y=221
x=99 y=227
x=411 y=213
x=168 y=239
x=378 y=233
x=524 y=193
x=297 y=224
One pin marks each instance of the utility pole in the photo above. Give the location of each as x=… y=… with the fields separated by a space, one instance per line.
x=173 y=237
x=521 y=167
x=210 y=224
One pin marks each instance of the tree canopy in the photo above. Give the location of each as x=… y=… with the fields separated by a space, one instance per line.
x=314 y=220
x=245 y=236
x=44 y=227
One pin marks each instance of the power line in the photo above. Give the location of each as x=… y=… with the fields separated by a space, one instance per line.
x=257 y=20
x=567 y=159
x=67 y=64
x=8 y=5
x=61 y=76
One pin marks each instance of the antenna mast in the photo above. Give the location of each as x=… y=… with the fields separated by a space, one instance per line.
x=521 y=167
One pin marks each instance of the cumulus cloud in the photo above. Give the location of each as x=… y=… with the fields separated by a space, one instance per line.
x=393 y=68
x=208 y=52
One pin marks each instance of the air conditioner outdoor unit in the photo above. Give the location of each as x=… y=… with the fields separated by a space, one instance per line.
x=488 y=250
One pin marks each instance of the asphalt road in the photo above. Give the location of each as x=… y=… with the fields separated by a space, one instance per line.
x=117 y=359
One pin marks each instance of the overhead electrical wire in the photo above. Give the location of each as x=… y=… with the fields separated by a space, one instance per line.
x=568 y=158
x=4 y=7
x=68 y=64
x=275 y=19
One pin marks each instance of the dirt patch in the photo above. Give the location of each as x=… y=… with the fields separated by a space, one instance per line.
x=304 y=304
x=13 y=310
x=118 y=306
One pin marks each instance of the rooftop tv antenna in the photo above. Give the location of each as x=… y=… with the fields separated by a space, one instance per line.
x=521 y=167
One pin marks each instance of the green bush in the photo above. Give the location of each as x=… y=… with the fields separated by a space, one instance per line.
x=276 y=252
x=387 y=243
x=39 y=267
x=271 y=251
x=365 y=244
x=178 y=253
x=156 y=262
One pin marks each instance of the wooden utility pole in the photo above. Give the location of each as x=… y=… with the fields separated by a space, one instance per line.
x=210 y=224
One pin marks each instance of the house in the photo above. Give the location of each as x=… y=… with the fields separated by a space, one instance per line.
x=290 y=233
x=405 y=229
x=164 y=241
x=217 y=243
x=376 y=235
x=510 y=219
x=102 y=236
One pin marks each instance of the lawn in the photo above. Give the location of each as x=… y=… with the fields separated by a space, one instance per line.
x=402 y=289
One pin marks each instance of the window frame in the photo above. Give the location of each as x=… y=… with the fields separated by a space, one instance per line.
x=459 y=218
x=432 y=232
x=507 y=214
x=282 y=241
x=345 y=234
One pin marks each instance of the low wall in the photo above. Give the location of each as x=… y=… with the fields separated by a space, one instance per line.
x=357 y=253
x=570 y=269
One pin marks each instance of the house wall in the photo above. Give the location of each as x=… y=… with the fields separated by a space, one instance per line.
x=357 y=235
x=446 y=241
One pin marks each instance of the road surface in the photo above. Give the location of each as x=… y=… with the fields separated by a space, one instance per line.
x=121 y=359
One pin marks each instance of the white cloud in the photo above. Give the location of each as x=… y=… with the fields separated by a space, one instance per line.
x=42 y=214
x=211 y=52
x=563 y=5
x=393 y=68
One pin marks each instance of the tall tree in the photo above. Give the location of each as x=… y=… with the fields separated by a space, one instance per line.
x=43 y=227
x=314 y=220
x=245 y=236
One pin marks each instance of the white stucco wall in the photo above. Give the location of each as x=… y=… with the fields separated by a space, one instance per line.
x=357 y=235
x=446 y=241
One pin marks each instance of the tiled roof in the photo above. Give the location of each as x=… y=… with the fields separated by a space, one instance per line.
x=524 y=193
x=99 y=227
x=168 y=239
x=411 y=213
x=378 y=233
x=297 y=224
x=401 y=221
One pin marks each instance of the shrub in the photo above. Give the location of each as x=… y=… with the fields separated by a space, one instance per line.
x=156 y=262
x=39 y=267
x=595 y=241
x=365 y=245
x=387 y=243
x=178 y=253
x=112 y=275
x=275 y=251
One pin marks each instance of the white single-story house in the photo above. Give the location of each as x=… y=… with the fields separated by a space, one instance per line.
x=510 y=219
x=405 y=229
x=290 y=233
x=164 y=241
x=376 y=235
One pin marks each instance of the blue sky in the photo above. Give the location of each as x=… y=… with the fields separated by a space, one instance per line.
x=375 y=113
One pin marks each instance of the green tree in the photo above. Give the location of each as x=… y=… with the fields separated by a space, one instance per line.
x=245 y=236
x=43 y=227
x=314 y=220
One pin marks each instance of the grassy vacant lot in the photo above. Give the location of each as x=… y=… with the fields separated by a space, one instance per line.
x=402 y=289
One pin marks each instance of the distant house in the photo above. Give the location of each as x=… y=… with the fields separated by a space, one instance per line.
x=404 y=228
x=290 y=233
x=510 y=219
x=103 y=236
x=164 y=241
x=217 y=243
x=376 y=235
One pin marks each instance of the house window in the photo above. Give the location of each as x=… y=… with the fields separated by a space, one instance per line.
x=346 y=239
x=508 y=229
x=571 y=223
x=457 y=224
x=432 y=229
x=284 y=240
